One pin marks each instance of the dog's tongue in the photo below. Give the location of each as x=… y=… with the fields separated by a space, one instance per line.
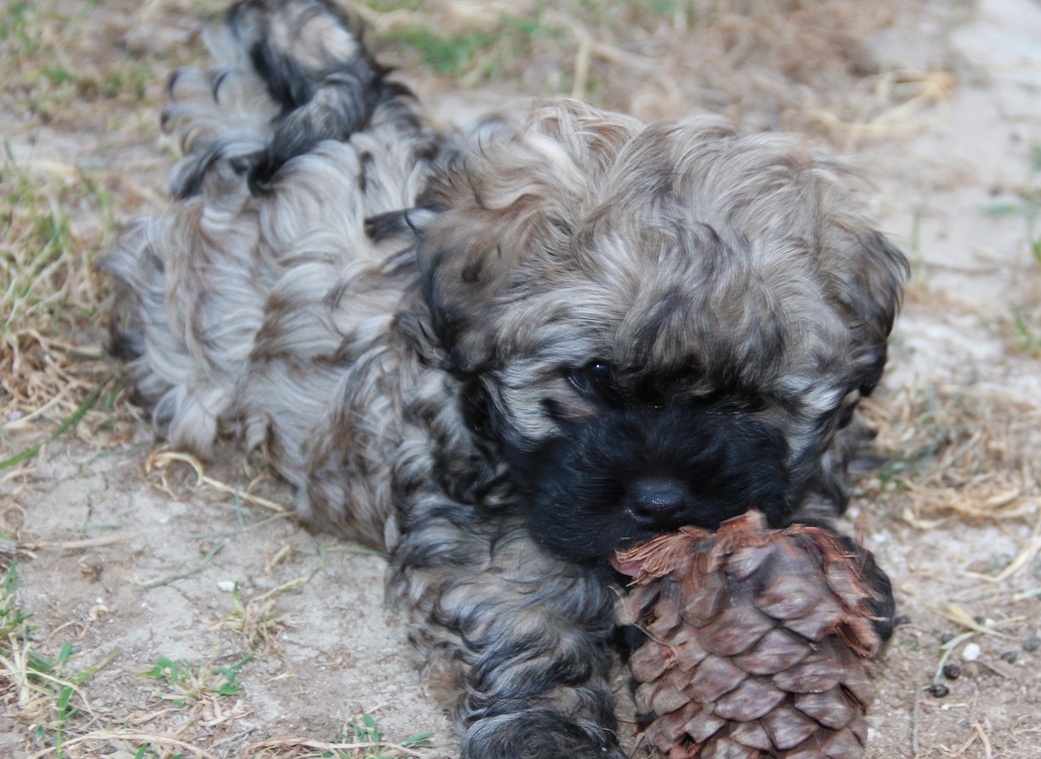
x=630 y=568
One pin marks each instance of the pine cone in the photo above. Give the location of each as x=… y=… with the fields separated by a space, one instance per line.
x=759 y=642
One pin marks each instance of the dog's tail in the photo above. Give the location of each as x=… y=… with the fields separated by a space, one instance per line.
x=288 y=74
x=289 y=141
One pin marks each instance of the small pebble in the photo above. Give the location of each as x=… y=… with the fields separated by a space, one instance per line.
x=939 y=690
x=946 y=638
x=951 y=671
x=979 y=619
x=971 y=652
x=1009 y=656
x=903 y=619
x=1032 y=643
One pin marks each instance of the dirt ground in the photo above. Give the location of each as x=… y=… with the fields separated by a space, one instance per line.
x=172 y=617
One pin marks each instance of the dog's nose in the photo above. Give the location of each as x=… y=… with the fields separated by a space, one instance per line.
x=657 y=502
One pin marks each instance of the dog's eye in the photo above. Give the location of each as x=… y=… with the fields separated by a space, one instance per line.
x=593 y=379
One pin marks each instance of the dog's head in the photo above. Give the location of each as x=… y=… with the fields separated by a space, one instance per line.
x=657 y=325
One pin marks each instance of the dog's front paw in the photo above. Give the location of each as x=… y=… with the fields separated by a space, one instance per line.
x=538 y=734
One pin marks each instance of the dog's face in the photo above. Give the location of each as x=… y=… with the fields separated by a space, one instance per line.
x=657 y=326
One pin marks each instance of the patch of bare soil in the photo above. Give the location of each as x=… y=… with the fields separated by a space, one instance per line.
x=172 y=617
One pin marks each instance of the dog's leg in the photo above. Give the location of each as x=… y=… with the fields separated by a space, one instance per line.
x=521 y=637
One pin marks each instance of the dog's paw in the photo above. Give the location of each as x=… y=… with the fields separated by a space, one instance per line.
x=538 y=734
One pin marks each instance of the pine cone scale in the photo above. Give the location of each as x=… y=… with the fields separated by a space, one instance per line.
x=775 y=652
x=750 y=700
x=815 y=674
x=713 y=678
x=703 y=604
x=688 y=649
x=673 y=726
x=724 y=748
x=745 y=562
x=830 y=708
x=843 y=743
x=789 y=599
x=788 y=728
x=651 y=661
x=753 y=735
x=703 y=725
x=735 y=631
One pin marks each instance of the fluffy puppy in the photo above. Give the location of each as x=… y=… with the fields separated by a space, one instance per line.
x=498 y=354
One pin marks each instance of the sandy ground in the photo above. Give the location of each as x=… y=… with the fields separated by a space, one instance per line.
x=954 y=187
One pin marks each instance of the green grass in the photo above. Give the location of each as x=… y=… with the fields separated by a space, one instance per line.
x=1026 y=337
x=189 y=682
x=33 y=684
x=387 y=6
x=45 y=264
x=39 y=52
x=481 y=52
x=446 y=55
x=366 y=731
x=1021 y=329
x=12 y=618
x=503 y=46
x=1029 y=204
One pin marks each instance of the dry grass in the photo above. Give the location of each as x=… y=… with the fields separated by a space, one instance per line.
x=48 y=293
x=58 y=215
x=957 y=453
x=790 y=65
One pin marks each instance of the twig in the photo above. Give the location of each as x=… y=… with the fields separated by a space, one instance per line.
x=246 y=528
x=965 y=746
x=958 y=615
x=23 y=421
x=983 y=737
x=914 y=722
x=70 y=422
x=1024 y=595
x=1025 y=556
x=298 y=582
x=162 y=459
x=102 y=735
x=183 y=575
x=71 y=545
x=583 y=59
x=320 y=746
x=948 y=649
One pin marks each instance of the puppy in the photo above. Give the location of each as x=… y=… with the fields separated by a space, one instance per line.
x=499 y=354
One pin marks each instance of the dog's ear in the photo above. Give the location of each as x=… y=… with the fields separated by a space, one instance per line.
x=502 y=215
x=485 y=246
x=867 y=281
